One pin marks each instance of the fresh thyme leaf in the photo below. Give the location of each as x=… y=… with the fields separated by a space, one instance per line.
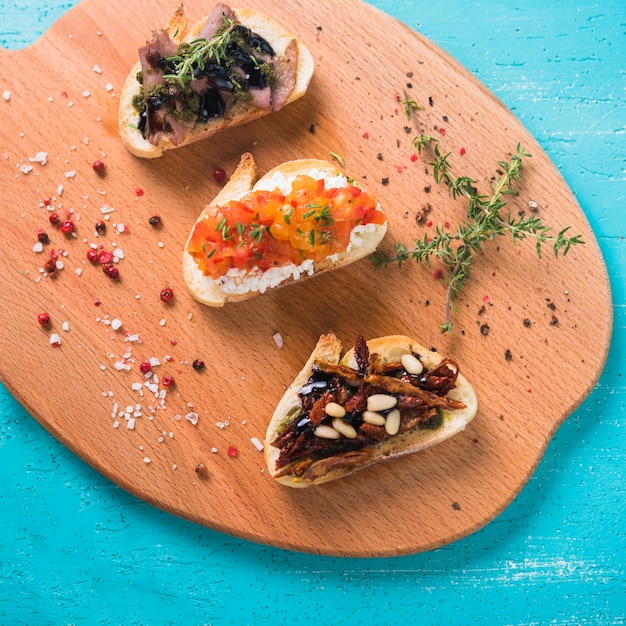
x=338 y=158
x=485 y=221
x=196 y=54
x=256 y=232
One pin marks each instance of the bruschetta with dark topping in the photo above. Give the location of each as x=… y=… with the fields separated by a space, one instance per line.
x=230 y=68
x=385 y=398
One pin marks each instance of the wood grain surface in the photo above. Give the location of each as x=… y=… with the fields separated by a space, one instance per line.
x=364 y=62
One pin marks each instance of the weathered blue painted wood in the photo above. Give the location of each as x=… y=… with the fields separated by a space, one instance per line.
x=74 y=548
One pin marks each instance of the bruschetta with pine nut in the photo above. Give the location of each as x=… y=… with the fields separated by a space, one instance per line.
x=302 y=218
x=385 y=398
x=230 y=68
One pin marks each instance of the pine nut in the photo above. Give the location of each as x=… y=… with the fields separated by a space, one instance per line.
x=370 y=417
x=334 y=410
x=392 y=423
x=347 y=430
x=381 y=402
x=326 y=432
x=412 y=364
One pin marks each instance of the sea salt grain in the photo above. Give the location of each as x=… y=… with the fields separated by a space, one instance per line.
x=278 y=340
x=40 y=157
x=192 y=417
x=116 y=324
x=257 y=443
x=6 y=95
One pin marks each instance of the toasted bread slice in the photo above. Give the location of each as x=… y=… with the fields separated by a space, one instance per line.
x=287 y=50
x=217 y=292
x=319 y=466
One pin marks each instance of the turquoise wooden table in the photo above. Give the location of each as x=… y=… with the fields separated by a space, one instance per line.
x=76 y=549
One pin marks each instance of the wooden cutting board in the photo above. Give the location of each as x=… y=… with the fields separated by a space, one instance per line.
x=532 y=335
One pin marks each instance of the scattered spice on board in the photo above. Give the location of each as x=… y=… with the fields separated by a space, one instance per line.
x=484 y=220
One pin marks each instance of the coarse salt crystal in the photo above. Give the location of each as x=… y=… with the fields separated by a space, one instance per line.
x=97 y=69
x=116 y=324
x=152 y=387
x=38 y=247
x=131 y=424
x=6 y=95
x=55 y=340
x=192 y=416
x=278 y=340
x=136 y=387
x=109 y=87
x=70 y=174
x=25 y=169
x=40 y=157
x=59 y=190
x=146 y=459
x=66 y=326
x=256 y=442
x=86 y=94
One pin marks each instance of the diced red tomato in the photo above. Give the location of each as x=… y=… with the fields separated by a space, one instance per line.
x=267 y=229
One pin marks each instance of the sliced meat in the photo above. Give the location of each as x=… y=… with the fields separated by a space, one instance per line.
x=345 y=460
x=162 y=125
x=151 y=57
x=261 y=98
x=285 y=73
x=215 y=20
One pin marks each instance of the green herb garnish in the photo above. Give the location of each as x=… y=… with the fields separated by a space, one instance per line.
x=196 y=54
x=484 y=222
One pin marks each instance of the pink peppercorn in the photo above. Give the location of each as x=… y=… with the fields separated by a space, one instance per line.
x=98 y=166
x=111 y=271
x=67 y=227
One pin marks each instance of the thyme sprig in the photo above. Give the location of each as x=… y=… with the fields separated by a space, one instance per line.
x=196 y=54
x=484 y=222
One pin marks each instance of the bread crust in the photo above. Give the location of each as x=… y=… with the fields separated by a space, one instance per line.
x=390 y=348
x=179 y=31
x=208 y=291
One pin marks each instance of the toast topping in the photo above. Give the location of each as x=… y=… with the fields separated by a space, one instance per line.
x=266 y=230
x=186 y=85
x=346 y=411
